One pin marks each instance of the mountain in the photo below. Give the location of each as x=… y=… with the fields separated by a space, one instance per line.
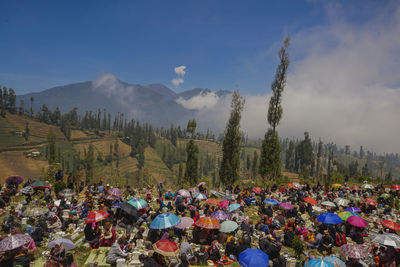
x=153 y=103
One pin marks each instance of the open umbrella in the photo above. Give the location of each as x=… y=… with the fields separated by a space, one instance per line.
x=138 y=203
x=96 y=216
x=371 y=202
x=185 y=223
x=344 y=215
x=328 y=204
x=329 y=218
x=27 y=190
x=228 y=226
x=395 y=187
x=233 y=207
x=310 y=200
x=291 y=185
x=367 y=186
x=200 y=196
x=354 y=251
x=213 y=201
x=14 y=241
x=318 y=209
x=41 y=184
x=357 y=221
x=353 y=209
x=253 y=257
x=391 y=225
x=335 y=261
x=286 y=205
x=32 y=212
x=341 y=201
x=166 y=248
x=184 y=193
x=356 y=188
x=336 y=185
x=164 y=221
x=129 y=209
x=208 y=223
x=115 y=191
x=392 y=240
x=14 y=179
x=112 y=197
x=257 y=190
x=270 y=201
x=220 y=215
x=224 y=203
x=67 y=193
x=194 y=190
x=385 y=195
x=201 y=184
x=318 y=263
x=66 y=243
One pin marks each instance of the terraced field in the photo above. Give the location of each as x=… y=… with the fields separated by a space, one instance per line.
x=156 y=166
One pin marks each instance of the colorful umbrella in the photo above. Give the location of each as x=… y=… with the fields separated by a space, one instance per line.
x=14 y=179
x=166 y=248
x=391 y=225
x=233 y=207
x=253 y=257
x=208 y=223
x=194 y=190
x=395 y=187
x=370 y=201
x=354 y=251
x=329 y=218
x=291 y=185
x=310 y=200
x=213 y=201
x=184 y=193
x=164 y=221
x=392 y=240
x=201 y=184
x=115 y=191
x=353 y=209
x=356 y=188
x=385 y=195
x=335 y=261
x=14 y=241
x=66 y=243
x=67 y=193
x=41 y=184
x=318 y=263
x=257 y=190
x=138 y=203
x=96 y=216
x=185 y=223
x=328 y=204
x=32 y=212
x=129 y=209
x=286 y=205
x=367 y=186
x=344 y=215
x=224 y=203
x=336 y=185
x=219 y=215
x=228 y=226
x=200 y=196
x=357 y=221
x=341 y=201
x=270 y=201
x=28 y=190
x=112 y=197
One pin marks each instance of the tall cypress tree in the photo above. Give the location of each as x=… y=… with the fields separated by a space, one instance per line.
x=290 y=157
x=51 y=140
x=230 y=165
x=192 y=156
x=270 y=159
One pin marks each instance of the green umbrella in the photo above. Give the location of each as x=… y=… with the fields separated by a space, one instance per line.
x=228 y=226
x=385 y=195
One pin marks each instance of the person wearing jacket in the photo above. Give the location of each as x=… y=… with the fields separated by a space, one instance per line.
x=116 y=252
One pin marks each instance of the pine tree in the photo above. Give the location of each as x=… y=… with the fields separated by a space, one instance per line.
x=32 y=99
x=230 y=165
x=290 y=157
x=192 y=151
x=248 y=162
x=89 y=161
x=254 y=166
x=12 y=99
x=270 y=159
x=51 y=141
x=319 y=154
x=180 y=173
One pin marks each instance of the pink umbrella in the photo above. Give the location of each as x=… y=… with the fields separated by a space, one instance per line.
x=184 y=193
x=200 y=184
x=185 y=223
x=286 y=205
x=194 y=190
x=354 y=251
x=357 y=221
x=224 y=203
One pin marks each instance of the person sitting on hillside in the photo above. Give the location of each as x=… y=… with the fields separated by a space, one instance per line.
x=169 y=195
x=116 y=252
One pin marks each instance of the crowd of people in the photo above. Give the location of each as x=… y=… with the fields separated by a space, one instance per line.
x=208 y=227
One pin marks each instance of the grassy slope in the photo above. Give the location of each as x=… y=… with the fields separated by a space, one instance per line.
x=157 y=167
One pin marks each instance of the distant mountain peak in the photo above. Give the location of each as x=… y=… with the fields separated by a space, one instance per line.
x=162 y=90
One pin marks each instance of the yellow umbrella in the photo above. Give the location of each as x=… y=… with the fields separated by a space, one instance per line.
x=337 y=185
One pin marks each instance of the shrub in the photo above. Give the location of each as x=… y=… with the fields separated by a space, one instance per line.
x=59 y=186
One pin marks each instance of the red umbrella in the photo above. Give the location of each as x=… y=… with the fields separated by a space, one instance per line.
x=166 y=248
x=395 y=187
x=391 y=225
x=96 y=216
x=356 y=188
x=213 y=201
x=208 y=223
x=291 y=185
x=257 y=190
x=310 y=200
x=370 y=201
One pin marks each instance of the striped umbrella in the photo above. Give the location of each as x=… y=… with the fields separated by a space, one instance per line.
x=96 y=216
x=208 y=223
x=166 y=248
x=164 y=221
x=67 y=193
x=270 y=201
x=138 y=203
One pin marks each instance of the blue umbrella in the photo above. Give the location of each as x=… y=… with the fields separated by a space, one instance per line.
x=164 y=221
x=353 y=209
x=329 y=218
x=253 y=257
x=116 y=205
x=233 y=207
x=335 y=261
x=271 y=201
x=318 y=263
x=138 y=203
x=200 y=196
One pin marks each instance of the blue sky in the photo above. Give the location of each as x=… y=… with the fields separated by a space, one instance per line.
x=223 y=44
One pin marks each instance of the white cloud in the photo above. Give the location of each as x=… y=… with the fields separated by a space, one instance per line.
x=180 y=70
x=204 y=100
x=177 y=81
